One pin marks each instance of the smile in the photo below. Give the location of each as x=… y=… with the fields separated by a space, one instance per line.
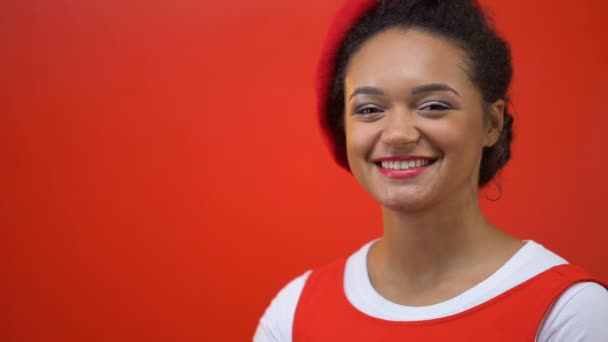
x=404 y=164
x=403 y=167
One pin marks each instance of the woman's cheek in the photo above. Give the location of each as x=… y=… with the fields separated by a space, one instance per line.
x=359 y=137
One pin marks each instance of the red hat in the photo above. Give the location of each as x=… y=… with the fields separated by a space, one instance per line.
x=346 y=17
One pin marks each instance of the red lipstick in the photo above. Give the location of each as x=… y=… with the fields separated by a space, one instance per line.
x=402 y=173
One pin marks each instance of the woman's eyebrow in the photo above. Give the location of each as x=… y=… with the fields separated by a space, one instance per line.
x=433 y=87
x=416 y=90
x=367 y=91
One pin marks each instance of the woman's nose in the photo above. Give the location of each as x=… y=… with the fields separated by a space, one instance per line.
x=400 y=129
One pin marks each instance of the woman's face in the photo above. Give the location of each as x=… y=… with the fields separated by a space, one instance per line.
x=414 y=121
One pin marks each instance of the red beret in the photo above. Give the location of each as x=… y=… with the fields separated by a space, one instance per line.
x=346 y=17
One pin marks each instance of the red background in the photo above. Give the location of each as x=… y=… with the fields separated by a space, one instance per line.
x=163 y=175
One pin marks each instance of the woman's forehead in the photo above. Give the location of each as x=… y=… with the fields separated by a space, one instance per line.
x=399 y=56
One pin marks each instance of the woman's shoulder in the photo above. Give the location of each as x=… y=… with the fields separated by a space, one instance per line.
x=277 y=321
x=578 y=314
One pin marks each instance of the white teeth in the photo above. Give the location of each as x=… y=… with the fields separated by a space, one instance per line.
x=404 y=164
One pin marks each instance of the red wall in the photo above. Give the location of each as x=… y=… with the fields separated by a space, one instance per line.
x=162 y=174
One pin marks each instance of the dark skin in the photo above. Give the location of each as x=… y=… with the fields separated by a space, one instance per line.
x=408 y=93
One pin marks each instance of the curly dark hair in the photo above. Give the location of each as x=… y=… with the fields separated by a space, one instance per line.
x=462 y=22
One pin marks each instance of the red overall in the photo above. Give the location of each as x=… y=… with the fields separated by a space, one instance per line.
x=325 y=314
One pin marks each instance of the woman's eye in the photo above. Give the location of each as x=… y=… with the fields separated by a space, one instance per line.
x=434 y=106
x=367 y=110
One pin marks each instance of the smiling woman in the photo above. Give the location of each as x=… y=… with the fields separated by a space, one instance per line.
x=420 y=116
x=413 y=98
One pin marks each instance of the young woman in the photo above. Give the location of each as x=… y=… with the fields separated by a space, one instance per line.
x=413 y=98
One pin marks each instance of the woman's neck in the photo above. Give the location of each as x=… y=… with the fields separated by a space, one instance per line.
x=431 y=239
x=429 y=248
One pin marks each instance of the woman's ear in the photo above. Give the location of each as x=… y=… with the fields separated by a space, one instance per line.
x=494 y=122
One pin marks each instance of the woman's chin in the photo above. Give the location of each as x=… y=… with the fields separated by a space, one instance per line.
x=404 y=201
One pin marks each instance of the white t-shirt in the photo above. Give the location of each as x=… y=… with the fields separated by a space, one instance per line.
x=580 y=314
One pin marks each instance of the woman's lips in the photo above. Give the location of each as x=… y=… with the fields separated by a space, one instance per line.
x=402 y=167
